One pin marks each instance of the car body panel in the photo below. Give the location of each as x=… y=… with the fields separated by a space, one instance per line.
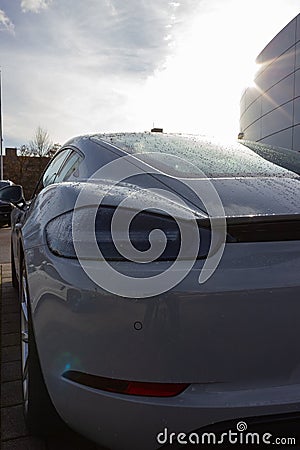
x=179 y=323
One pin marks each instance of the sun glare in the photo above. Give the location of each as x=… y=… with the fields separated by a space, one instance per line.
x=249 y=74
x=200 y=87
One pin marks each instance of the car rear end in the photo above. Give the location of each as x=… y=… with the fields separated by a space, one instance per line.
x=5 y=208
x=229 y=347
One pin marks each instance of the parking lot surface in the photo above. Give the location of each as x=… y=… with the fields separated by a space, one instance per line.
x=14 y=434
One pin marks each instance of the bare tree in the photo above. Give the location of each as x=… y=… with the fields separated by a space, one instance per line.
x=24 y=150
x=41 y=143
x=40 y=146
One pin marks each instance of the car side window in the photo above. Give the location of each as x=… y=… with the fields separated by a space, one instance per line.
x=54 y=167
x=69 y=168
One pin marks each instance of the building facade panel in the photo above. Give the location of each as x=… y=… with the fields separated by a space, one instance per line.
x=281 y=139
x=281 y=67
x=296 y=137
x=277 y=120
x=243 y=102
x=254 y=131
x=279 y=44
x=279 y=94
x=251 y=94
x=296 y=111
x=297 y=83
x=297 y=56
x=252 y=113
x=297 y=28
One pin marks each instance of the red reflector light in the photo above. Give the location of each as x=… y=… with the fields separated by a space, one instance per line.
x=155 y=389
x=126 y=387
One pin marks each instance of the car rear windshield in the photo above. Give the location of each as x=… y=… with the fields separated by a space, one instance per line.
x=3 y=184
x=190 y=156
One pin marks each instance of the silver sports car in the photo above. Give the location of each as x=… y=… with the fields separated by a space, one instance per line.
x=158 y=277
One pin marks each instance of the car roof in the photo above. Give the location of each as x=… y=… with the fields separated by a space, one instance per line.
x=4 y=183
x=214 y=157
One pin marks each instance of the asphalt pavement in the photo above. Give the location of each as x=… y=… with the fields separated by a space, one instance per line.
x=14 y=434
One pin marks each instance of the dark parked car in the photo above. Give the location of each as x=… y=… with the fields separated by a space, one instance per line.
x=5 y=208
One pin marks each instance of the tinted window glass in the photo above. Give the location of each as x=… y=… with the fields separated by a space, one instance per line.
x=195 y=155
x=69 y=168
x=54 y=167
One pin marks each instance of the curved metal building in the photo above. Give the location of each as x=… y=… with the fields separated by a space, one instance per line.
x=270 y=110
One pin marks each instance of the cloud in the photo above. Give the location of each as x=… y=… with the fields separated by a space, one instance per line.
x=5 y=23
x=121 y=37
x=89 y=64
x=34 y=5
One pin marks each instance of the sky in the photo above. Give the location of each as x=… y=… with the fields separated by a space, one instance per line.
x=75 y=67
